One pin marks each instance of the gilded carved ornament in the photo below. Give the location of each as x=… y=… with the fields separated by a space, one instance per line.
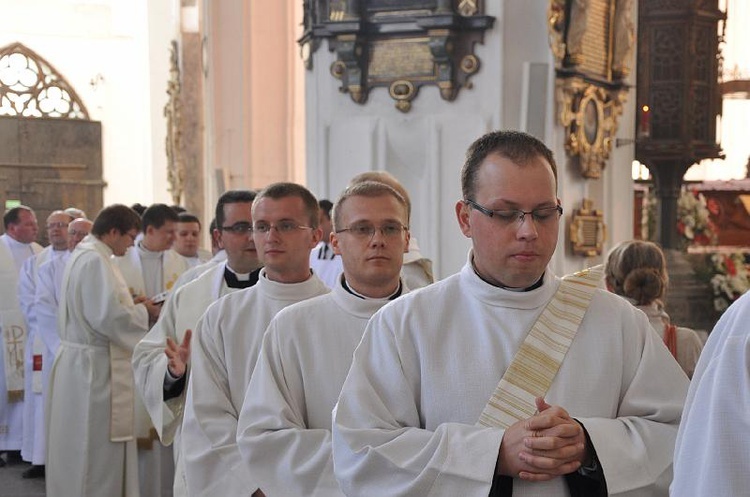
x=589 y=114
x=173 y=116
x=587 y=230
x=592 y=43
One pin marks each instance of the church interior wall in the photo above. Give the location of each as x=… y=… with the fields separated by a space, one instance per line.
x=425 y=147
x=115 y=55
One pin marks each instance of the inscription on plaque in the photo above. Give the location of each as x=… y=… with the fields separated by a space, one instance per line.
x=378 y=5
x=391 y=58
x=597 y=40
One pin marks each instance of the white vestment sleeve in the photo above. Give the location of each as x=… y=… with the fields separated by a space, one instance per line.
x=712 y=453
x=283 y=456
x=45 y=304
x=376 y=448
x=213 y=465
x=26 y=291
x=635 y=446
x=150 y=368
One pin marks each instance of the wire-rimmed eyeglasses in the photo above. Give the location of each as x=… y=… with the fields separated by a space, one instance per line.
x=367 y=230
x=541 y=215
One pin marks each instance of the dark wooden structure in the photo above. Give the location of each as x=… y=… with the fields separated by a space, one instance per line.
x=50 y=151
x=401 y=45
x=678 y=96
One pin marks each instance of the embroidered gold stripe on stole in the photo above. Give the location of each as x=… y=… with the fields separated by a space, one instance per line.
x=538 y=360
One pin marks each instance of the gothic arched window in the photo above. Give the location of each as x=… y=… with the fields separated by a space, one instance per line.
x=31 y=87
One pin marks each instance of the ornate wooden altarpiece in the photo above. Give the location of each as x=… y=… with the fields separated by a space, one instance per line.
x=50 y=151
x=592 y=42
x=678 y=80
x=401 y=45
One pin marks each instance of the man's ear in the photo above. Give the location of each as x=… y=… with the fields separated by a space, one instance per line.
x=335 y=243
x=462 y=214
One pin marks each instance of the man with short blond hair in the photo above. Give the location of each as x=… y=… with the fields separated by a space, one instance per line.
x=307 y=349
x=228 y=337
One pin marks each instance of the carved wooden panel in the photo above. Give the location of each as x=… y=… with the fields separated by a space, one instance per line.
x=50 y=164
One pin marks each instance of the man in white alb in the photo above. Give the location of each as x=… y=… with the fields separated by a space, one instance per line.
x=47 y=296
x=228 y=337
x=161 y=377
x=712 y=453
x=151 y=268
x=33 y=427
x=417 y=269
x=187 y=239
x=408 y=418
x=16 y=245
x=91 y=445
x=284 y=430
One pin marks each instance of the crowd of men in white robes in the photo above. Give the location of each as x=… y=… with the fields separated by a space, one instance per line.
x=249 y=374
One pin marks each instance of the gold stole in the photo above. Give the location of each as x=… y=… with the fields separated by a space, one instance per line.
x=538 y=360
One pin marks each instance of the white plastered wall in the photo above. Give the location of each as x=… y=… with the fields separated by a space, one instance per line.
x=425 y=147
x=115 y=54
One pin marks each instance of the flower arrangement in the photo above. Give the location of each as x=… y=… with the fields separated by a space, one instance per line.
x=730 y=278
x=693 y=219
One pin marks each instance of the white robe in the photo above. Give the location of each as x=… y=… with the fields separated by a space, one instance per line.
x=12 y=256
x=417 y=269
x=689 y=344
x=147 y=274
x=33 y=402
x=225 y=348
x=191 y=273
x=96 y=312
x=712 y=453
x=405 y=423
x=325 y=264
x=46 y=302
x=284 y=429
x=181 y=312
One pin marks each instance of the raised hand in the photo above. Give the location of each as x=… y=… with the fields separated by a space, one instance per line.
x=178 y=356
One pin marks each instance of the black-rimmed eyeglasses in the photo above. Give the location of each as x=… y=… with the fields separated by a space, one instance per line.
x=239 y=228
x=508 y=216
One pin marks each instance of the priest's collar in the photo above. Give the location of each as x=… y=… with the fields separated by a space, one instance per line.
x=148 y=253
x=352 y=291
x=536 y=285
x=239 y=276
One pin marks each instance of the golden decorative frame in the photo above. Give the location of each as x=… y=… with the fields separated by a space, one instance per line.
x=592 y=43
x=589 y=113
x=587 y=230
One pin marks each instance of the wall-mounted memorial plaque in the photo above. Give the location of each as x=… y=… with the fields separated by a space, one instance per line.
x=592 y=41
x=400 y=45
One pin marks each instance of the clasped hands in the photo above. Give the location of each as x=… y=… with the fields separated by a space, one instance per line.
x=544 y=446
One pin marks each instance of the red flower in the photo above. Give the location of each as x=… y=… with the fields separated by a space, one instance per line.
x=713 y=206
x=681 y=227
x=731 y=268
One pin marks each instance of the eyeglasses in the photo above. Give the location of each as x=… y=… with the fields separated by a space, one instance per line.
x=239 y=228
x=58 y=224
x=367 y=231
x=76 y=233
x=508 y=216
x=282 y=227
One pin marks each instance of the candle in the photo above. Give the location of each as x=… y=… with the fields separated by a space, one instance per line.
x=645 y=128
